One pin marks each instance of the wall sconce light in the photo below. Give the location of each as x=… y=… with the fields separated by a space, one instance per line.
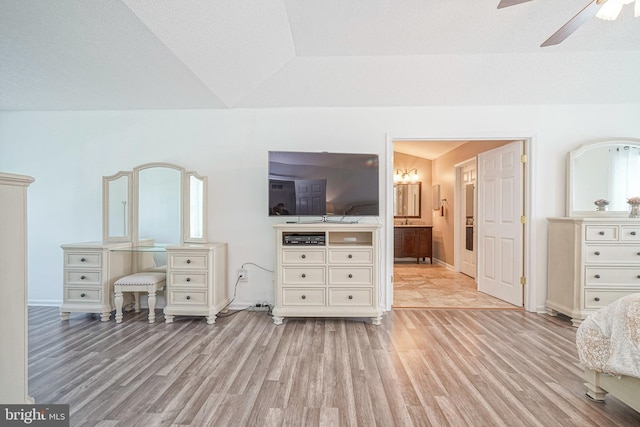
x=406 y=175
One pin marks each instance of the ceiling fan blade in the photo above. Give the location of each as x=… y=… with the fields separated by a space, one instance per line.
x=573 y=24
x=507 y=3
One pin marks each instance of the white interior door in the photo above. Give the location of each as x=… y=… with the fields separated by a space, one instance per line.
x=468 y=242
x=500 y=230
x=311 y=196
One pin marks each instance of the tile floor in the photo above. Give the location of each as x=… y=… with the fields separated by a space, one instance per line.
x=433 y=286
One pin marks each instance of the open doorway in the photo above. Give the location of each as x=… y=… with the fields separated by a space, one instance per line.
x=445 y=280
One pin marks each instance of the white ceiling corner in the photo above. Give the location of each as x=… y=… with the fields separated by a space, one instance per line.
x=168 y=54
x=231 y=45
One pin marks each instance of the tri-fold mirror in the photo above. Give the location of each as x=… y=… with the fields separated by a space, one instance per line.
x=158 y=201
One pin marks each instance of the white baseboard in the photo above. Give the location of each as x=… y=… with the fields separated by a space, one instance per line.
x=44 y=302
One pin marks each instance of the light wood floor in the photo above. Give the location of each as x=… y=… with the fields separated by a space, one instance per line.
x=434 y=286
x=419 y=367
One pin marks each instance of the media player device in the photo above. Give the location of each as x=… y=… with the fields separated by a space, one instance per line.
x=303 y=239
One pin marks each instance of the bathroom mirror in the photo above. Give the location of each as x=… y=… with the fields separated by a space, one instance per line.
x=158 y=201
x=604 y=169
x=407 y=200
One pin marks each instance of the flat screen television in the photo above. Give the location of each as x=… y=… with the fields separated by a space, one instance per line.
x=323 y=184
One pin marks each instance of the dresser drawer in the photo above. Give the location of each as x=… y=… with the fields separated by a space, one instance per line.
x=188 y=297
x=597 y=298
x=609 y=253
x=347 y=256
x=83 y=259
x=188 y=261
x=351 y=297
x=310 y=256
x=350 y=275
x=303 y=275
x=192 y=280
x=80 y=277
x=303 y=296
x=601 y=232
x=630 y=233
x=599 y=276
x=82 y=295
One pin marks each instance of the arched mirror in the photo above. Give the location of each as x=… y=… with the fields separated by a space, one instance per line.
x=407 y=200
x=157 y=201
x=607 y=171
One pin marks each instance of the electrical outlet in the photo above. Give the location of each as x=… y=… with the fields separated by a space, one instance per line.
x=260 y=306
x=242 y=275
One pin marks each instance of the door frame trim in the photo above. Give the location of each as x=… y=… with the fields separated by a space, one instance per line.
x=530 y=195
x=457 y=214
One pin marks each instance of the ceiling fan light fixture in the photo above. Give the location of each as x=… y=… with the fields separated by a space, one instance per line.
x=610 y=10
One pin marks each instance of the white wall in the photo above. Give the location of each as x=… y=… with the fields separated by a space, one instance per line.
x=69 y=152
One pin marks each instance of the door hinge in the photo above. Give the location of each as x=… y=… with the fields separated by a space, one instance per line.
x=523 y=158
x=523 y=280
x=523 y=219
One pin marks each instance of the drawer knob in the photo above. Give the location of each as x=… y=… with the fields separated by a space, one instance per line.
x=303 y=275
x=303 y=256
x=188 y=296
x=597 y=276
x=597 y=298
x=188 y=279
x=350 y=276
x=350 y=296
x=638 y=276
x=83 y=295
x=82 y=259
x=601 y=233
x=188 y=261
x=633 y=233
x=303 y=297
x=349 y=256
x=597 y=253
x=83 y=277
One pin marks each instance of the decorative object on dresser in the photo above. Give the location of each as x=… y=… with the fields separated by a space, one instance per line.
x=414 y=241
x=168 y=204
x=13 y=289
x=327 y=270
x=594 y=256
x=634 y=207
x=601 y=204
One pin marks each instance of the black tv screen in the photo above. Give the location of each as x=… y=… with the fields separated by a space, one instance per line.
x=323 y=184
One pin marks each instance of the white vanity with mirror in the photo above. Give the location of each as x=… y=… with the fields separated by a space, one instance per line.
x=154 y=218
x=594 y=252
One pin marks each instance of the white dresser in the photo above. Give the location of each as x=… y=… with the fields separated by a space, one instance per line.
x=90 y=269
x=592 y=262
x=13 y=289
x=196 y=280
x=327 y=270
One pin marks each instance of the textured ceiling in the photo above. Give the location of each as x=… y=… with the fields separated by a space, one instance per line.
x=193 y=54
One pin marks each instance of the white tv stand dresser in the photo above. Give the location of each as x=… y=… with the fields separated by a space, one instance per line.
x=327 y=270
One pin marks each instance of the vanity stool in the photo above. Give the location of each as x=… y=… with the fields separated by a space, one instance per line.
x=146 y=281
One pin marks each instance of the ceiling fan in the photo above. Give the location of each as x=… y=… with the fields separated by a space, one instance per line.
x=604 y=9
